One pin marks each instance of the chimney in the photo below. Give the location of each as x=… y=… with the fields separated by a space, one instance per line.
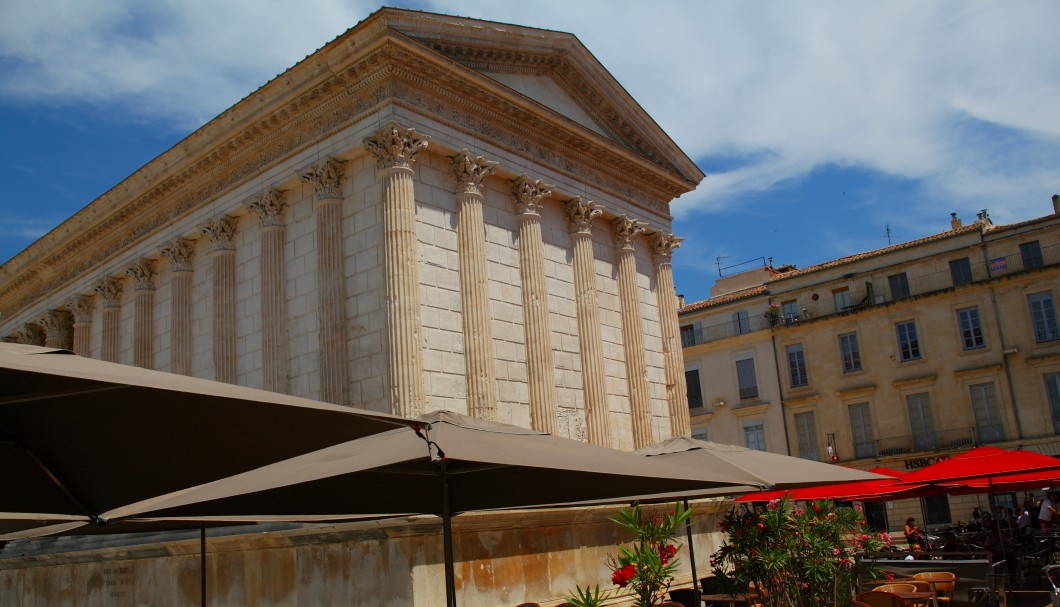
x=983 y=218
x=680 y=301
x=955 y=222
x=1056 y=204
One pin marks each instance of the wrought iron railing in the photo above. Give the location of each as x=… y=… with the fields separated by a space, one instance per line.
x=941 y=440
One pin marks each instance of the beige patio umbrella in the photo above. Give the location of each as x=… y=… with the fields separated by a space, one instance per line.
x=451 y=464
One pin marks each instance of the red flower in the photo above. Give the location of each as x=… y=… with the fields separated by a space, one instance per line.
x=622 y=576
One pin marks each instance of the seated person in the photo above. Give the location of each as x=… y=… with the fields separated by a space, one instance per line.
x=912 y=533
x=951 y=544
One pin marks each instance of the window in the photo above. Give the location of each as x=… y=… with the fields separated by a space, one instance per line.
x=861 y=430
x=754 y=436
x=796 y=366
x=936 y=510
x=987 y=417
x=745 y=374
x=970 y=327
x=1043 y=315
x=841 y=299
x=908 y=344
x=921 y=422
x=806 y=431
x=688 y=336
x=848 y=347
x=1031 y=254
x=740 y=323
x=1052 y=390
x=899 y=285
x=961 y=271
x=790 y=310
x=693 y=390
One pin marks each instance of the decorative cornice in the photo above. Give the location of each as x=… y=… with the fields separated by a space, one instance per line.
x=914 y=382
x=109 y=291
x=470 y=171
x=528 y=193
x=395 y=147
x=221 y=231
x=81 y=307
x=626 y=230
x=142 y=272
x=269 y=206
x=326 y=178
x=581 y=214
x=663 y=245
x=180 y=253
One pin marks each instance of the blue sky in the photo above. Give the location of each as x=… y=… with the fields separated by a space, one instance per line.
x=820 y=124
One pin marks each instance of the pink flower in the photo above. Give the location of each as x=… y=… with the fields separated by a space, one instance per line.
x=835 y=551
x=773 y=504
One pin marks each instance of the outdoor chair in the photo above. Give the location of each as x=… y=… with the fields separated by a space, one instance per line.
x=684 y=596
x=670 y=604
x=530 y=605
x=876 y=598
x=944 y=583
x=896 y=588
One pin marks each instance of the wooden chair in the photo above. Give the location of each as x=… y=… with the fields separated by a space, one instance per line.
x=877 y=598
x=896 y=588
x=944 y=583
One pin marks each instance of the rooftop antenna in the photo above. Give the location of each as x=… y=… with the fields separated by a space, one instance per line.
x=887 y=233
x=717 y=262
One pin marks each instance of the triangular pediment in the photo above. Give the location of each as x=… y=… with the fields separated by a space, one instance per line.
x=552 y=69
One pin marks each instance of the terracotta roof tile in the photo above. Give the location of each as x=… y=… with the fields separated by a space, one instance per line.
x=723 y=299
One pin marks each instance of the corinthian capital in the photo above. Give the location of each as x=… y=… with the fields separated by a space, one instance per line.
x=81 y=308
x=326 y=177
x=222 y=233
x=56 y=324
x=663 y=245
x=180 y=253
x=142 y=272
x=109 y=290
x=394 y=146
x=470 y=171
x=269 y=207
x=581 y=215
x=528 y=194
x=30 y=334
x=626 y=229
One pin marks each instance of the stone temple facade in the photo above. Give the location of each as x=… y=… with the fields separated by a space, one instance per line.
x=429 y=212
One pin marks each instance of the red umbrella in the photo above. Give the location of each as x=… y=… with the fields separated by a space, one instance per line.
x=874 y=490
x=1010 y=482
x=985 y=465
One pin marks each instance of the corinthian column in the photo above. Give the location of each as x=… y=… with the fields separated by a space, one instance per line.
x=109 y=291
x=326 y=178
x=56 y=325
x=395 y=149
x=527 y=194
x=222 y=231
x=590 y=342
x=30 y=334
x=142 y=273
x=180 y=253
x=81 y=308
x=270 y=206
x=663 y=246
x=468 y=173
x=626 y=230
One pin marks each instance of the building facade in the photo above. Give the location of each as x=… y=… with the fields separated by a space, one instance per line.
x=893 y=357
x=429 y=212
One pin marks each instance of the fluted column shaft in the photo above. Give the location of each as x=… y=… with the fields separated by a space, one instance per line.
x=81 y=308
x=536 y=328
x=633 y=332
x=180 y=253
x=469 y=172
x=331 y=291
x=270 y=207
x=395 y=149
x=590 y=341
x=109 y=291
x=676 y=390
x=221 y=232
x=142 y=274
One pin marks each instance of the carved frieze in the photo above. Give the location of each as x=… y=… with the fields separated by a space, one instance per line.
x=109 y=291
x=663 y=245
x=470 y=171
x=581 y=214
x=142 y=273
x=394 y=146
x=326 y=178
x=81 y=307
x=221 y=231
x=180 y=253
x=528 y=194
x=269 y=207
x=626 y=230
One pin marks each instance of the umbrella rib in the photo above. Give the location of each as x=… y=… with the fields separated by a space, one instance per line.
x=29 y=398
x=51 y=475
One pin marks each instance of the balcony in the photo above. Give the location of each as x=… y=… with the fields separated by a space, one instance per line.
x=942 y=440
x=872 y=292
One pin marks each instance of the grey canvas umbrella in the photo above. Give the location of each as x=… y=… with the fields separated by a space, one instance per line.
x=451 y=464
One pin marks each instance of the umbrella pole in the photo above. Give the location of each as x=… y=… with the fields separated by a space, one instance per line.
x=202 y=563
x=447 y=537
x=692 y=556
